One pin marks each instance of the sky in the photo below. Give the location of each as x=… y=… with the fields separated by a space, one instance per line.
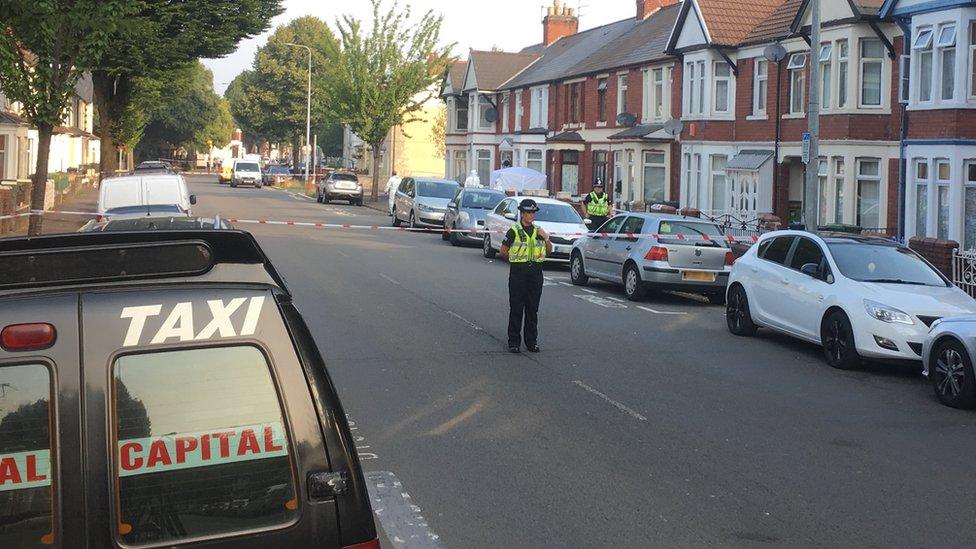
x=508 y=24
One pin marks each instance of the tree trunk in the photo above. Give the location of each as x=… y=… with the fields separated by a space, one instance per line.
x=374 y=194
x=295 y=152
x=104 y=106
x=39 y=187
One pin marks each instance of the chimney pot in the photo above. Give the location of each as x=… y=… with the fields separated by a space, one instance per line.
x=560 y=22
x=646 y=8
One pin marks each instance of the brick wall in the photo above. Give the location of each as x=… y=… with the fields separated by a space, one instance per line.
x=938 y=252
x=942 y=124
x=893 y=193
x=8 y=206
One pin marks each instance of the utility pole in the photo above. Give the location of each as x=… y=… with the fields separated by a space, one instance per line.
x=811 y=192
x=308 y=115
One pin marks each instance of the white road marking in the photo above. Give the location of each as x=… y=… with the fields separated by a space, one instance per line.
x=343 y=254
x=300 y=196
x=401 y=519
x=650 y=310
x=565 y=284
x=470 y=324
x=612 y=402
x=601 y=301
x=617 y=299
x=390 y=279
x=588 y=291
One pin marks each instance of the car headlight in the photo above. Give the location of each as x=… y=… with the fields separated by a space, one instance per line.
x=887 y=314
x=464 y=218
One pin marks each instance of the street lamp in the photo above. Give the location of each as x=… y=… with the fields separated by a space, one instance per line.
x=308 y=116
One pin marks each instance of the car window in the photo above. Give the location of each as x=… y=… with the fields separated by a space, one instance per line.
x=202 y=449
x=691 y=233
x=807 y=251
x=778 y=250
x=404 y=186
x=612 y=226
x=761 y=250
x=436 y=189
x=502 y=207
x=26 y=517
x=884 y=264
x=480 y=200
x=633 y=225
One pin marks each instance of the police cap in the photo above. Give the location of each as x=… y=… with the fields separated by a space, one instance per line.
x=528 y=205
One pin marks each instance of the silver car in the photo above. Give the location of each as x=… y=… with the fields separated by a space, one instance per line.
x=656 y=251
x=467 y=211
x=947 y=358
x=340 y=186
x=422 y=202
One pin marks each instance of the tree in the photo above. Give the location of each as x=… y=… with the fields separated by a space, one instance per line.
x=158 y=37
x=438 y=133
x=386 y=75
x=45 y=46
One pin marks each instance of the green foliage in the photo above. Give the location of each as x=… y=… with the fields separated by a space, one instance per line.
x=387 y=74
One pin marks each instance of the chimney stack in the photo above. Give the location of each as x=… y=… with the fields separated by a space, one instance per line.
x=645 y=8
x=560 y=21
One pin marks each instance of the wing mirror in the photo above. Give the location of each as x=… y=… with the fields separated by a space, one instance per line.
x=452 y=205
x=588 y=221
x=193 y=199
x=510 y=216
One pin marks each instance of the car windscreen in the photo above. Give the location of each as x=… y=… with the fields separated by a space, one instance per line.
x=481 y=200
x=152 y=208
x=436 y=189
x=883 y=263
x=345 y=177
x=691 y=233
x=247 y=167
x=558 y=213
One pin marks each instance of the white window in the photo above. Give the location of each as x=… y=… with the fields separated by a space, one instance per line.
x=533 y=160
x=842 y=73
x=701 y=184
x=690 y=92
x=972 y=59
x=969 y=238
x=3 y=156
x=947 y=57
x=824 y=195
x=920 y=177
x=872 y=63
x=943 y=173
x=660 y=97
x=484 y=165
x=826 y=51
x=631 y=176
x=904 y=74
x=688 y=176
x=760 y=87
x=519 y=111
x=719 y=185
x=622 y=93
x=460 y=166
x=723 y=86
x=505 y=113
x=540 y=108
x=796 y=67
x=840 y=174
x=655 y=178
x=461 y=115
x=922 y=50
x=868 y=193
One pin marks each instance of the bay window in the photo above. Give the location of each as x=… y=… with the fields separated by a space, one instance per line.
x=872 y=63
x=826 y=50
x=690 y=91
x=942 y=175
x=655 y=180
x=796 y=67
x=922 y=49
x=659 y=91
x=719 y=192
x=519 y=110
x=868 y=193
x=760 y=87
x=723 y=86
x=947 y=57
x=842 y=73
x=920 y=175
x=539 y=115
x=484 y=165
x=969 y=238
x=461 y=115
x=701 y=87
x=460 y=166
x=484 y=105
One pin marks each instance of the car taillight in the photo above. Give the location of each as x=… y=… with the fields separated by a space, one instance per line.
x=657 y=253
x=729 y=258
x=375 y=544
x=27 y=337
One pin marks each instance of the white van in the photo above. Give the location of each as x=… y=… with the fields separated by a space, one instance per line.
x=246 y=172
x=146 y=195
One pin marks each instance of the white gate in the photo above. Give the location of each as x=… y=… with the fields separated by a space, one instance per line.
x=964 y=271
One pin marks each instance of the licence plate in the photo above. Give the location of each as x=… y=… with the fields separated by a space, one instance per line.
x=698 y=276
x=346 y=186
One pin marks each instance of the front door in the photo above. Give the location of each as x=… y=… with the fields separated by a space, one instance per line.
x=570 y=172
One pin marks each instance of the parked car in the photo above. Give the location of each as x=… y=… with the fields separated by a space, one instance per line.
x=226 y=172
x=246 y=172
x=666 y=252
x=468 y=211
x=273 y=171
x=140 y=196
x=559 y=219
x=422 y=202
x=153 y=166
x=856 y=296
x=947 y=359
x=184 y=344
x=340 y=186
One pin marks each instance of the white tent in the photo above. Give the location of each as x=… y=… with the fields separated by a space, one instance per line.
x=517 y=179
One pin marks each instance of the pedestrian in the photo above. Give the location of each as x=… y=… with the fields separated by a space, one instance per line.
x=597 y=206
x=391 y=189
x=525 y=247
x=473 y=181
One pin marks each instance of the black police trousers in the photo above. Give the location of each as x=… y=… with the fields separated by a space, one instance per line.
x=597 y=221
x=524 y=293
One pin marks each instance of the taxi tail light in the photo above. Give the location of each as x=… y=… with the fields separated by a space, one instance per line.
x=28 y=337
x=729 y=259
x=374 y=544
x=657 y=253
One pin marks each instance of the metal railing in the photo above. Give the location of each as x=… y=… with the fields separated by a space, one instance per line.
x=964 y=271
x=733 y=225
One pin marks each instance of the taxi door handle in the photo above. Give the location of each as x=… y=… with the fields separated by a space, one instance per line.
x=755 y=269
x=785 y=281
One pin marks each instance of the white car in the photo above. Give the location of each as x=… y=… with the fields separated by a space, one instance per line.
x=145 y=195
x=856 y=296
x=246 y=172
x=556 y=217
x=947 y=357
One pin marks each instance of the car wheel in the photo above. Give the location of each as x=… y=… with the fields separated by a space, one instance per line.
x=838 y=342
x=233 y=185
x=446 y=233
x=487 y=250
x=716 y=298
x=951 y=373
x=359 y=203
x=413 y=221
x=634 y=288
x=396 y=220
x=576 y=272
x=454 y=238
x=737 y=315
x=325 y=198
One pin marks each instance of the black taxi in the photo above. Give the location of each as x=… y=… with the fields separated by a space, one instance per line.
x=161 y=389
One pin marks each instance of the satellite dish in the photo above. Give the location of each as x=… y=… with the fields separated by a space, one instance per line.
x=491 y=115
x=775 y=52
x=626 y=119
x=673 y=127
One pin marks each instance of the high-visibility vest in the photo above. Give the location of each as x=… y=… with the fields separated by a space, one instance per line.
x=526 y=248
x=598 y=206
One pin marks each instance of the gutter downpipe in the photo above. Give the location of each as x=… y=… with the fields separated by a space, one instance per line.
x=779 y=88
x=902 y=161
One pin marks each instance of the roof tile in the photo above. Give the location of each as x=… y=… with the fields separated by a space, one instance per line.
x=729 y=22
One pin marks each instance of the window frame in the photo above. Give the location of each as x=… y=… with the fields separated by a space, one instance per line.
x=660 y=94
x=623 y=86
x=798 y=79
x=968 y=182
x=461 y=105
x=601 y=98
x=504 y=113
x=825 y=73
x=839 y=176
x=541 y=160
x=623 y=233
x=796 y=247
x=646 y=163
x=972 y=60
x=539 y=113
x=789 y=250
x=922 y=47
x=716 y=80
x=843 y=72
x=861 y=177
x=712 y=175
x=760 y=82
x=519 y=110
x=863 y=63
x=926 y=183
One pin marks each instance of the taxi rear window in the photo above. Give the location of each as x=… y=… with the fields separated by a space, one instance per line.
x=26 y=508
x=201 y=446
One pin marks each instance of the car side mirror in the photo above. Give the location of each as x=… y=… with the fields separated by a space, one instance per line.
x=510 y=216
x=193 y=199
x=452 y=205
x=812 y=270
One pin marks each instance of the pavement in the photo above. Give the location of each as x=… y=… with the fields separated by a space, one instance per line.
x=639 y=425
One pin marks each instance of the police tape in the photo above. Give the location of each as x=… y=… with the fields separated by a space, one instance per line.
x=698 y=237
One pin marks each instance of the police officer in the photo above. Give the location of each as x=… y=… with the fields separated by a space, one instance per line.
x=597 y=206
x=525 y=246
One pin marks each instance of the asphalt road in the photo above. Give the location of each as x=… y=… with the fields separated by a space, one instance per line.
x=639 y=425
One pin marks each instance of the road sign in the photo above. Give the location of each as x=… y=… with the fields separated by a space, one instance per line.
x=806 y=147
